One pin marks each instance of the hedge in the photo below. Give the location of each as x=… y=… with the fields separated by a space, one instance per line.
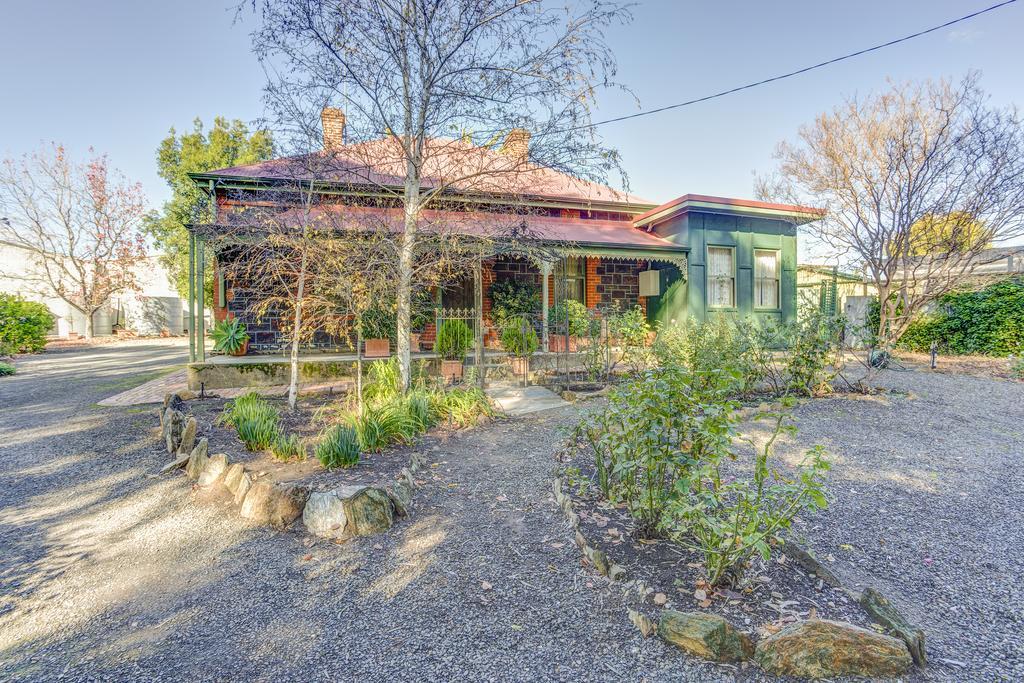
x=23 y=325
x=988 y=322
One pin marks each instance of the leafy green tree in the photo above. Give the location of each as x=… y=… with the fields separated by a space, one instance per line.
x=228 y=143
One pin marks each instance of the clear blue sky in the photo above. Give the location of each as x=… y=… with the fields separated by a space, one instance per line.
x=117 y=74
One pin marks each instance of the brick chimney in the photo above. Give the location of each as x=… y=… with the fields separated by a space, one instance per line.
x=517 y=145
x=333 y=122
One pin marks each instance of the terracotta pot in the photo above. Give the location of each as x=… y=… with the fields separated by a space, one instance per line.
x=242 y=350
x=556 y=343
x=376 y=348
x=414 y=342
x=519 y=365
x=451 y=369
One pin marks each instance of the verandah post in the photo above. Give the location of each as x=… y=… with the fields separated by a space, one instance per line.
x=478 y=304
x=191 y=297
x=201 y=300
x=545 y=273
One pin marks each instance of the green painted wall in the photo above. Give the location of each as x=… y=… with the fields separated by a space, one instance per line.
x=696 y=231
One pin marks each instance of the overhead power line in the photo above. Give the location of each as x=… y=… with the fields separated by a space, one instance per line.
x=790 y=74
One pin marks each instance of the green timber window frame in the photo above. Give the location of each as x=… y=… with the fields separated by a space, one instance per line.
x=767 y=286
x=718 y=280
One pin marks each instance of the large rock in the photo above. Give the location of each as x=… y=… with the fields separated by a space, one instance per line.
x=242 y=487
x=883 y=611
x=401 y=495
x=214 y=470
x=187 y=440
x=172 y=424
x=705 y=635
x=349 y=511
x=827 y=649
x=275 y=504
x=233 y=477
x=197 y=460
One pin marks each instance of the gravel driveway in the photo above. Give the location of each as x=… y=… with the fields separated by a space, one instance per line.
x=112 y=574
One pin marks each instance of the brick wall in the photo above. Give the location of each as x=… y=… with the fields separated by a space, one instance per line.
x=614 y=283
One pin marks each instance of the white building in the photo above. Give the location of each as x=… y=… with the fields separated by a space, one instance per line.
x=154 y=308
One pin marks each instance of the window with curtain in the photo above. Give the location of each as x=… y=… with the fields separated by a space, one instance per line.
x=721 y=278
x=766 y=278
x=575 y=277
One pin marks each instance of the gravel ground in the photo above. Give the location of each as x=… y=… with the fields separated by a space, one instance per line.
x=927 y=491
x=112 y=574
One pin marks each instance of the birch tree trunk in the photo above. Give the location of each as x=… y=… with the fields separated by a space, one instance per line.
x=293 y=382
x=403 y=293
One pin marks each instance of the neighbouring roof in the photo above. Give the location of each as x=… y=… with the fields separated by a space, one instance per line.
x=467 y=167
x=708 y=203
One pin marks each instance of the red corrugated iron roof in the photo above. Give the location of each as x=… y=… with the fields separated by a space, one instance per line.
x=466 y=167
x=583 y=231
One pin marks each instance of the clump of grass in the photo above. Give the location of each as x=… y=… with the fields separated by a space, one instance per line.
x=254 y=419
x=7 y=369
x=338 y=447
x=462 y=406
x=288 y=447
x=380 y=426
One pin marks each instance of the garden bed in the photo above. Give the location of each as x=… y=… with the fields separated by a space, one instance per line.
x=770 y=594
x=373 y=468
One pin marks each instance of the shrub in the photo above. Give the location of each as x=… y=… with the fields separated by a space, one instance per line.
x=987 y=322
x=519 y=340
x=579 y=319
x=23 y=325
x=659 y=448
x=288 y=447
x=338 y=447
x=729 y=519
x=379 y=323
x=629 y=330
x=454 y=340
x=254 y=419
x=229 y=336
x=6 y=369
x=510 y=298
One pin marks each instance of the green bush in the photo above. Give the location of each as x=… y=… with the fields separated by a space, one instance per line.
x=580 y=322
x=338 y=447
x=989 y=322
x=23 y=325
x=1016 y=367
x=729 y=519
x=511 y=298
x=383 y=380
x=659 y=448
x=379 y=323
x=254 y=419
x=519 y=340
x=6 y=369
x=454 y=340
x=288 y=448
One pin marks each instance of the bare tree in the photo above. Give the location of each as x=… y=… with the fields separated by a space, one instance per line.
x=80 y=224
x=915 y=183
x=425 y=84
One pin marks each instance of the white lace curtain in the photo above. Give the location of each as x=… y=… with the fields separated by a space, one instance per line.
x=766 y=279
x=721 y=283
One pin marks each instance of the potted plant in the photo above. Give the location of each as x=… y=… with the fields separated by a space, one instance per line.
x=230 y=337
x=378 y=330
x=454 y=339
x=579 y=323
x=520 y=341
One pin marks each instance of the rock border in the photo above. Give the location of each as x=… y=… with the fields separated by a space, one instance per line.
x=361 y=510
x=717 y=631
